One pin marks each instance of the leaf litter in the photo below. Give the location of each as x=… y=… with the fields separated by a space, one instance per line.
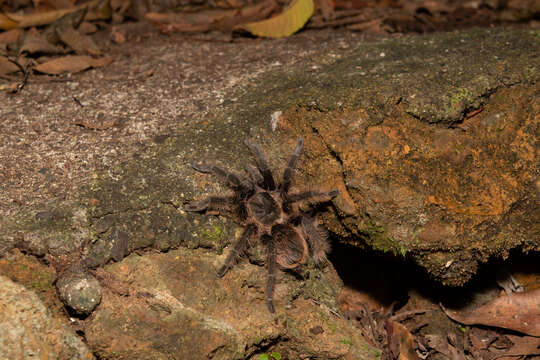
x=62 y=27
x=408 y=321
x=518 y=311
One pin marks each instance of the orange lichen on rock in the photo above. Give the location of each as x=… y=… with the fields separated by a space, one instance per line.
x=430 y=186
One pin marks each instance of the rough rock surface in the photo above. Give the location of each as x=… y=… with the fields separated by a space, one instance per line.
x=433 y=141
x=29 y=331
x=173 y=306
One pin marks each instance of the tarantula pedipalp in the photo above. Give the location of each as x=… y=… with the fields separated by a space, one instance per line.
x=270 y=213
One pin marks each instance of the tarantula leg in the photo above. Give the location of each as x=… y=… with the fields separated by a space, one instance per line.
x=231 y=179
x=262 y=164
x=289 y=171
x=237 y=249
x=271 y=266
x=254 y=174
x=319 y=196
x=317 y=238
x=211 y=204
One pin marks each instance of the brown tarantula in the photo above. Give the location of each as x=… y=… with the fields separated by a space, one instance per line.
x=270 y=213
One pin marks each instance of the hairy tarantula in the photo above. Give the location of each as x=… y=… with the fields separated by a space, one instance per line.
x=270 y=213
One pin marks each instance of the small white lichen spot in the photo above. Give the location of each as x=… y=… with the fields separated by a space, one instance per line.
x=274 y=120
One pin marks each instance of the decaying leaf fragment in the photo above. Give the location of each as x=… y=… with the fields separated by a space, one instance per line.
x=217 y=19
x=100 y=9
x=71 y=64
x=7 y=67
x=400 y=340
x=285 y=24
x=518 y=311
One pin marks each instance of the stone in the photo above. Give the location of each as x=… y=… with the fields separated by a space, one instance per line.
x=79 y=290
x=29 y=331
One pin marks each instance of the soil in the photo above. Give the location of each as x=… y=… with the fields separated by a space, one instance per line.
x=60 y=131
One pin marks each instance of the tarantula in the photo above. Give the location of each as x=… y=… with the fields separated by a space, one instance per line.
x=269 y=212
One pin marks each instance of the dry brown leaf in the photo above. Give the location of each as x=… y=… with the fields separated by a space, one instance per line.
x=10 y=36
x=444 y=347
x=87 y=28
x=118 y=36
x=210 y=19
x=401 y=341
x=66 y=22
x=327 y=8
x=59 y=4
x=71 y=64
x=7 y=67
x=522 y=346
x=7 y=21
x=35 y=43
x=518 y=311
x=80 y=43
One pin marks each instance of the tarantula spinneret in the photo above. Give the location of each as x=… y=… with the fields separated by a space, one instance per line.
x=268 y=212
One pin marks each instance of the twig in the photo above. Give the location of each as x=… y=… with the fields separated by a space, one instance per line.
x=24 y=71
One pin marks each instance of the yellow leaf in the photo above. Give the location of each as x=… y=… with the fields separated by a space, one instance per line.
x=6 y=23
x=287 y=23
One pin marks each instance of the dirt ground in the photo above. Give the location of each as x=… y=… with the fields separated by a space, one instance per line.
x=59 y=131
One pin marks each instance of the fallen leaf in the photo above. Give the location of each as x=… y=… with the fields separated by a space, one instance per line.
x=87 y=28
x=518 y=311
x=35 y=44
x=445 y=347
x=118 y=36
x=9 y=21
x=522 y=346
x=59 y=4
x=7 y=67
x=10 y=36
x=285 y=24
x=6 y=23
x=80 y=43
x=71 y=64
x=71 y=20
x=218 y=19
x=401 y=341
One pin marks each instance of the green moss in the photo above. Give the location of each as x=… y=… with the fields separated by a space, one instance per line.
x=329 y=323
x=378 y=238
x=215 y=233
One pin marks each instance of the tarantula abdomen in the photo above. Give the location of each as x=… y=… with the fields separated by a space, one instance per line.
x=269 y=213
x=291 y=247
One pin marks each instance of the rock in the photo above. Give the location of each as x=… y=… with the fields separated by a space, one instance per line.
x=79 y=290
x=29 y=331
x=179 y=309
x=435 y=152
x=430 y=139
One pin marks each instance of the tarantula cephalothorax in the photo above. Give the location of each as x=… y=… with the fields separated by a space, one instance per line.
x=270 y=213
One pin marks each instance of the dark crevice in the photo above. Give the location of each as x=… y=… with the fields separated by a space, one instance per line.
x=264 y=346
x=389 y=278
x=334 y=154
